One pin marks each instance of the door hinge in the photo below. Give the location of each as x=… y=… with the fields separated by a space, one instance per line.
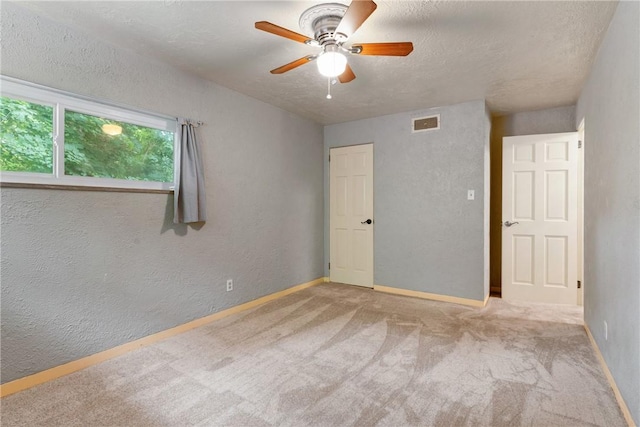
x=329 y=266
x=329 y=157
x=579 y=144
x=579 y=284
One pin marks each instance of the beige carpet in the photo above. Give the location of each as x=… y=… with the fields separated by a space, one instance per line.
x=336 y=355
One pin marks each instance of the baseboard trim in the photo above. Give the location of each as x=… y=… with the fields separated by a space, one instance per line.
x=68 y=368
x=612 y=382
x=435 y=297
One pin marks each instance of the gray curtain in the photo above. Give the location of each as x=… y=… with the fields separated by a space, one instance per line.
x=189 y=198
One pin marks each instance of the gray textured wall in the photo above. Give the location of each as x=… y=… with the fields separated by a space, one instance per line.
x=427 y=236
x=551 y=120
x=86 y=271
x=610 y=106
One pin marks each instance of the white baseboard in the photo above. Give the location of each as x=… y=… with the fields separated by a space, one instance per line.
x=612 y=382
x=435 y=297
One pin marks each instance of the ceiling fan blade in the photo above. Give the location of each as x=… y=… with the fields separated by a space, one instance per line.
x=356 y=14
x=291 y=65
x=282 y=32
x=347 y=75
x=384 y=49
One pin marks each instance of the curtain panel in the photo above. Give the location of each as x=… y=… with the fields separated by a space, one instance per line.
x=189 y=196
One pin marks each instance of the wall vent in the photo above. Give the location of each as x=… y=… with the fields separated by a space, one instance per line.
x=426 y=123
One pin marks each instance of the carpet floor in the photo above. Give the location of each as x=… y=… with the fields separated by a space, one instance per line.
x=337 y=355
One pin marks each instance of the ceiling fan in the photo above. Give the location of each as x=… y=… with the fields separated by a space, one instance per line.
x=331 y=25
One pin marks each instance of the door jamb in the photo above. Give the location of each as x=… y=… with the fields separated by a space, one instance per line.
x=580 y=252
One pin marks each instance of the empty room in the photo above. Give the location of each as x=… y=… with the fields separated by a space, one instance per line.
x=290 y=213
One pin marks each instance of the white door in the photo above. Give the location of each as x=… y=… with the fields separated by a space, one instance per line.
x=351 y=215
x=539 y=216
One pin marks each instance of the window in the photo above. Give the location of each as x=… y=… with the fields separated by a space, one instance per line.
x=103 y=148
x=26 y=136
x=51 y=137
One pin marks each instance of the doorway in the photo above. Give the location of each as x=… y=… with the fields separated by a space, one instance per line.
x=351 y=215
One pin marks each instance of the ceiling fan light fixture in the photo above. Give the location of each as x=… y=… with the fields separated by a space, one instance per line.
x=332 y=64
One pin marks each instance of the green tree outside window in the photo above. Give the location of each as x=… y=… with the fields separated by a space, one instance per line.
x=136 y=153
x=26 y=136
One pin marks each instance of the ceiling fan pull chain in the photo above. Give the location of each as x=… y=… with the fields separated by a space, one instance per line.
x=329 y=88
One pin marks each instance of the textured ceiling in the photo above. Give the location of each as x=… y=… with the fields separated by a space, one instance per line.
x=519 y=56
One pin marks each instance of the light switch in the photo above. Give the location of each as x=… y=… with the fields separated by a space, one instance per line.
x=471 y=194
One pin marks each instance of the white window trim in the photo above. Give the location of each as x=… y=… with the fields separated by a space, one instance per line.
x=62 y=101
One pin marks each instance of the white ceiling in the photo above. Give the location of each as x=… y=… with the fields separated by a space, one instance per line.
x=519 y=56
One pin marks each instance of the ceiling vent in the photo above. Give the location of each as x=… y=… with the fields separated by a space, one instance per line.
x=426 y=123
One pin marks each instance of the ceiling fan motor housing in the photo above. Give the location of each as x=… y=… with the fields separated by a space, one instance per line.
x=321 y=21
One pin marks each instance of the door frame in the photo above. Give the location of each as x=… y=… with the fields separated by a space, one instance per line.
x=373 y=254
x=581 y=165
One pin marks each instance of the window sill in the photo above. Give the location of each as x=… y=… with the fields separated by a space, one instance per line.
x=82 y=188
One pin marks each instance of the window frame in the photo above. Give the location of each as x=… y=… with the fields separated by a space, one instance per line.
x=62 y=101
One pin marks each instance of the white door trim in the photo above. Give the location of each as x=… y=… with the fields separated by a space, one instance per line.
x=581 y=213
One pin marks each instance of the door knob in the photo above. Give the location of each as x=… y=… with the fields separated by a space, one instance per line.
x=509 y=223
x=366 y=222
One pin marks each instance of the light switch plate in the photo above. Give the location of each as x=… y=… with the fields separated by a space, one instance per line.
x=471 y=194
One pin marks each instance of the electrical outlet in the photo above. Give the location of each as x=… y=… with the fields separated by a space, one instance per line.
x=471 y=195
x=606 y=331
x=229 y=285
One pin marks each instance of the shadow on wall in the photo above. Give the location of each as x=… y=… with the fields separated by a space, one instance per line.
x=178 y=229
x=495 y=216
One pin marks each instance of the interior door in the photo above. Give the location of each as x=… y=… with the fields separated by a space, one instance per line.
x=539 y=218
x=351 y=215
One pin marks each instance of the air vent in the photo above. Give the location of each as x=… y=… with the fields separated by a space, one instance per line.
x=426 y=123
